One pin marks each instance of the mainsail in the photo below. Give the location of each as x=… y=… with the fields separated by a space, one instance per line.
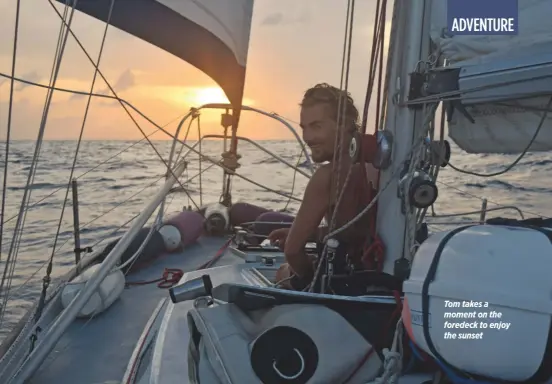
x=212 y=35
x=506 y=117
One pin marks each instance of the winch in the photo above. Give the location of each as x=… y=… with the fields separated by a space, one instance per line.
x=422 y=191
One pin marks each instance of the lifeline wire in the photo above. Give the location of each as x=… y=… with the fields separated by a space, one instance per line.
x=14 y=246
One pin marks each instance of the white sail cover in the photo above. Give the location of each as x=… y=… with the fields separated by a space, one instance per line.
x=212 y=35
x=498 y=129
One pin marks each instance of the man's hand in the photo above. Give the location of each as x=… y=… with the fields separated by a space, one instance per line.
x=283 y=274
x=278 y=237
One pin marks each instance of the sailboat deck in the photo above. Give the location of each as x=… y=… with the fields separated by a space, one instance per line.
x=98 y=350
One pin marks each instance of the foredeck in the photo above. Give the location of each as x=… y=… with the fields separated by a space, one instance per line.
x=98 y=350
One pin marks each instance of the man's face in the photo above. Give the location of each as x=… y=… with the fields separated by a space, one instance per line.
x=319 y=131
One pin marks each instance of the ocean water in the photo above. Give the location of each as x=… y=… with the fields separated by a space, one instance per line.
x=116 y=179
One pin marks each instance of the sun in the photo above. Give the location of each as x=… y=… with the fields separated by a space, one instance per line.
x=209 y=95
x=192 y=96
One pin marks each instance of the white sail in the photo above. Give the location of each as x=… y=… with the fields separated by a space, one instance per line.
x=499 y=129
x=212 y=35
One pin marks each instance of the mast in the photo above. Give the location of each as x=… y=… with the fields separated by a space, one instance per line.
x=410 y=44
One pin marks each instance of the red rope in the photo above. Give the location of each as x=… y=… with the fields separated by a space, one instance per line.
x=170 y=277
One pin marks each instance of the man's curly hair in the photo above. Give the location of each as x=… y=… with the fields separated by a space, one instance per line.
x=328 y=94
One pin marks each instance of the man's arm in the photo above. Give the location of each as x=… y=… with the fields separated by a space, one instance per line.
x=312 y=211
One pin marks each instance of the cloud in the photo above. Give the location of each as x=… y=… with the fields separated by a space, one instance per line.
x=126 y=81
x=33 y=77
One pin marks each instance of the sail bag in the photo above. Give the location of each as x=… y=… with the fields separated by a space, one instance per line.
x=293 y=343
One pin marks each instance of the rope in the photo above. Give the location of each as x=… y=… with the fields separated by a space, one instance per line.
x=171 y=276
x=518 y=159
x=340 y=132
x=392 y=364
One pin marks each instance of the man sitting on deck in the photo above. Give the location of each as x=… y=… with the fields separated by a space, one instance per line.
x=319 y=122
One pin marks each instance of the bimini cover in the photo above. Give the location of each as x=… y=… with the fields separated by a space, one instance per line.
x=212 y=35
x=499 y=128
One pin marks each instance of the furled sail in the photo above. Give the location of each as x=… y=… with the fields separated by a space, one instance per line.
x=506 y=116
x=212 y=35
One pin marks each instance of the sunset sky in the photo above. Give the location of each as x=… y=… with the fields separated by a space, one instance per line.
x=294 y=45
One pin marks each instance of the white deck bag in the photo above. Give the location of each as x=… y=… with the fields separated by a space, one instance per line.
x=225 y=340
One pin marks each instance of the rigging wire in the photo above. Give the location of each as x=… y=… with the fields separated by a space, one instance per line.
x=87 y=224
x=17 y=235
x=125 y=104
x=376 y=53
x=381 y=96
x=50 y=266
x=95 y=167
x=395 y=21
x=340 y=131
x=14 y=246
x=107 y=212
x=165 y=209
x=342 y=107
x=159 y=128
x=169 y=170
x=463 y=192
x=200 y=161
x=8 y=129
x=294 y=180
